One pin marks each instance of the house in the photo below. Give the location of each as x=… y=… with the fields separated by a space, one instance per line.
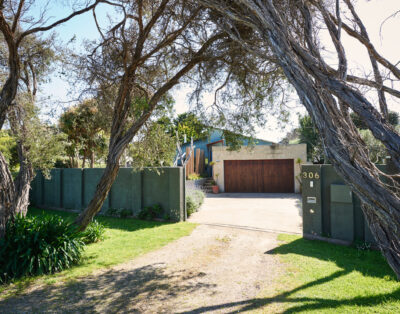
x=264 y=167
x=216 y=137
x=271 y=168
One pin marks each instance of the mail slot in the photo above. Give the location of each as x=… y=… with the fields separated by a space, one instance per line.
x=311 y=200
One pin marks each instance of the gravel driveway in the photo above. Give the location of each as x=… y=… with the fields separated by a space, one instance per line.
x=255 y=211
x=215 y=269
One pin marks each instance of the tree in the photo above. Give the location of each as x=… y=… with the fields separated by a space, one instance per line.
x=393 y=119
x=329 y=94
x=84 y=126
x=154 y=45
x=8 y=147
x=190 y=125
x=309 y=135
x=152 y=147
x=25 y=59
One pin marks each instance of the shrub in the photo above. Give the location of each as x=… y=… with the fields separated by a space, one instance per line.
x=198 y=196
x=191 y=205
x=151 y=212
x=194 y=176
x=194 y=199
x=111 y=212
x=38 y=245
x=124 y=213
x=93 y=233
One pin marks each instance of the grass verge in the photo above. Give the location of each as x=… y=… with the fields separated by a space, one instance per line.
x=324 y=278
x=124 y=240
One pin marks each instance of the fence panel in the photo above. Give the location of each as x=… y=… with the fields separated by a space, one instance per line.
x=72 y=189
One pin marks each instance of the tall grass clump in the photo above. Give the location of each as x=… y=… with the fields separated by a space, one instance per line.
x=38 y=245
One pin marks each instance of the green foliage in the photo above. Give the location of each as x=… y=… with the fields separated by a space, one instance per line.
x=151 y=212
x=42 y=143
x=234 y=141
x=194 y=199
x=46 y=146
x=152 y=148
x=38 y=245
x=125 y=240
x=377 y=151
x=309 y=135
x=8 y=147
x=196 y=176
x=84 y=124
x=113 y=212
x=93 y=233
x=188 y=123
x=124 y=213
x=393 y=120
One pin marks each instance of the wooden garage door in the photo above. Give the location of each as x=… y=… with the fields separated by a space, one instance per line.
x=259 y=176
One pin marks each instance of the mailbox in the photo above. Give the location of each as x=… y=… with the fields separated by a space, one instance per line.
x=311 y=192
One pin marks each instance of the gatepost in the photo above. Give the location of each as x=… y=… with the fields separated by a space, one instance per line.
x=312 y=203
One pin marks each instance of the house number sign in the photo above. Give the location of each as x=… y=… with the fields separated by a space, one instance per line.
x=310 y=175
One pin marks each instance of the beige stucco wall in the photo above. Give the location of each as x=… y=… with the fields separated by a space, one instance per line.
x=221 y=153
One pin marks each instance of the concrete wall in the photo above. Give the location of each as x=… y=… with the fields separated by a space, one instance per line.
x=256 y=153
x=72 y=189
x=330 y=209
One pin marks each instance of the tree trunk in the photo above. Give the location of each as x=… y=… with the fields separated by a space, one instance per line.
x=83 y=161
x=92 y=159
x=102 y=190
x=316 y=88
x=383 y=236
x=22 y=186
x=6 y=194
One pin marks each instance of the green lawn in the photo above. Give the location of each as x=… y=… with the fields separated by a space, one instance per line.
x=124 y=240
x=325 y=278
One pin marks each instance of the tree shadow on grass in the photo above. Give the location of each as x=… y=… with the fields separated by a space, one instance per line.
x=141 y=289
x=369 y=263
x=125 y=224
x=309 y=303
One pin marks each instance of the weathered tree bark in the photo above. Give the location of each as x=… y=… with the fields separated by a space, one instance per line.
x=6 y=194
x=316 y=88
x=83 y=161
x=102 y=190
x=121 y=136
x=22 y=183
x=14 y=195
x=92 y=159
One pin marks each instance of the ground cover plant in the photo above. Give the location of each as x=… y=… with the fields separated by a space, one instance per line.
x=325 y=278
x=124 y=239
x=194 y=199
x=38 y=245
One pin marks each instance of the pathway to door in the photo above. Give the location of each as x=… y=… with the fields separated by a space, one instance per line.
x=272 y=212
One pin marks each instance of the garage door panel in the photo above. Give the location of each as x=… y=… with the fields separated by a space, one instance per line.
x=257 y=176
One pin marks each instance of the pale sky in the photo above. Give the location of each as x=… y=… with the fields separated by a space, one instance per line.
x=373 y=13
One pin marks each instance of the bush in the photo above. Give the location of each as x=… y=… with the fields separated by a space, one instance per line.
x=191 y=205
x=194 y=199
x=151 y=212
x=93 y=233
x=124 y=213
x=38 y=245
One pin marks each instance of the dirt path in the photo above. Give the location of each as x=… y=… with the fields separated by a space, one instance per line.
x=215 y=269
